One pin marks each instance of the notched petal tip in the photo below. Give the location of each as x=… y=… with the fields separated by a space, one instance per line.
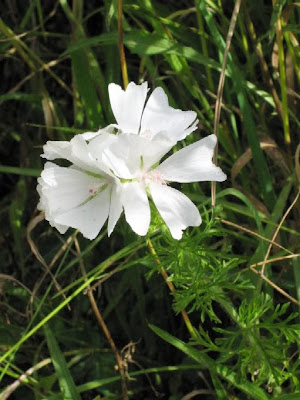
x=127 y=105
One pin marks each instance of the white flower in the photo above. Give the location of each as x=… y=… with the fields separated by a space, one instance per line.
x=110 y=173
x=132 y=158
x=155 y=120
x=84 y=195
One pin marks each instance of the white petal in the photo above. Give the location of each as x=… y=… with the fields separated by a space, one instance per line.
x=136 y=207
x=115 y=209
x=63 y=189
x=175 y=208
x=128 y=105
x=66 y=188
x=92 y=135
x=131 y=155
x=160 y=118
x=89 y=217
x=193 y=163
x=61 y=228
x=43 y=206
x=56 y=149
x=75 y=151
x=117 y=158
x=96 y=148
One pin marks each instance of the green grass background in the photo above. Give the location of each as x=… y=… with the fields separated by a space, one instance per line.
x=57 y=59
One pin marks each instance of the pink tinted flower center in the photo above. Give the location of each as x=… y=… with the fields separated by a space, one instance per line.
x=147 y=134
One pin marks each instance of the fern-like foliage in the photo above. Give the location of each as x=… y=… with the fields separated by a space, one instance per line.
x=258 y=340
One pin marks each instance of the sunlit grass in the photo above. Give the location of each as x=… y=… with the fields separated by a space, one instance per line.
x=57 y=61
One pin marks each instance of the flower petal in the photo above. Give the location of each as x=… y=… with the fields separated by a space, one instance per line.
x=175 y=208
x=56 y=149
x=136 y=207
x=62 y=189
x=193 y=163
x=159 y=118
x=96 y=148
x=43 y=206
x=115 y=209
x=92 y=135
x=81 y=154
x=88 y=217
x=117 y=159
x=128 y=105
x=131 y=155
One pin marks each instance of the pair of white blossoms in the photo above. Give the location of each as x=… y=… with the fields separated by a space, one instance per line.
x=112 y=172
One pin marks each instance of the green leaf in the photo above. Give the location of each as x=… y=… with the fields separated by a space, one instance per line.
x=7 y=169
x=262 y=170
x=86 y=89
x=291 y=396
x=206 y=362
x=16 y=213
x=65 y=379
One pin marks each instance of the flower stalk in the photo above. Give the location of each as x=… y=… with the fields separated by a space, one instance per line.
x=102 y=323
x=121 y=45
x=170 y=285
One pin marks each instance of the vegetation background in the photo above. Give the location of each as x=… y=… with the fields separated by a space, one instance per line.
x=229 y=328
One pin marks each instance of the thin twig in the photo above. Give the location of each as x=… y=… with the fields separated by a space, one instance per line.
x=52 y=263
x=4 y=277
x=271 y=260
x=22 y=378
x=242 y=228
x=274 y=286
x=112 y=272
x=102 y=323
x=32 y=224
x=221 y=87
x=121 y=45
x=264 y=66
x=278 y=229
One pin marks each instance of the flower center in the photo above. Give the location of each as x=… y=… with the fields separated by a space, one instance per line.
x=147 y=134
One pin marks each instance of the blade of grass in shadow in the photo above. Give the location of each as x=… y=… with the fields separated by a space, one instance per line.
x=205 y=362
x=66 y=382
x=7 y=169
x=88 y=75
x=30 y=57
x=262 y=170
x=86 y=90
x=95 y=274
x=156 y=370
x=291 y=396
x=16 y=217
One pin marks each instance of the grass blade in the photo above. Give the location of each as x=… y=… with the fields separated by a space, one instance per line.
x=65 y=379
x=253 y=391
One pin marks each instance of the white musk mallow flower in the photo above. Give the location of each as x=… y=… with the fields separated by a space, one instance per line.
x=133 y=159
x=111 y=172
x=84 y=195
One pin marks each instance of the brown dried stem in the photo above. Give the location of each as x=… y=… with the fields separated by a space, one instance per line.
x=121 y=45
x=278 y=229
x=102 y=323
x=220 y=89
x=243 y=229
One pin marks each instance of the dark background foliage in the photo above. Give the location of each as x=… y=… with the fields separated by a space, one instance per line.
x=57 y=59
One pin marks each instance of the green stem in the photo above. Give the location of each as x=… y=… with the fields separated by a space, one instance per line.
x=185 y=317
